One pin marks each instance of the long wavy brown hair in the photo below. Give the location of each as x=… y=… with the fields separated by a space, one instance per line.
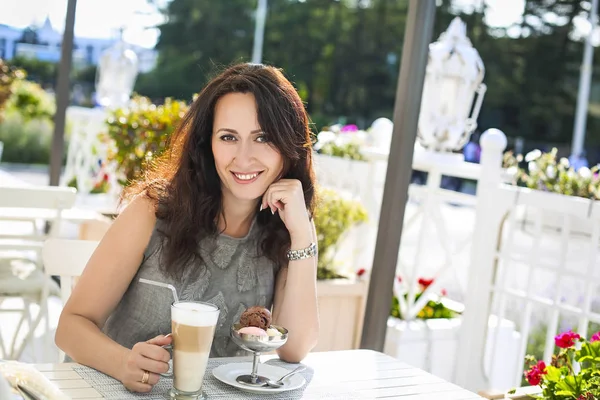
x=184 y=185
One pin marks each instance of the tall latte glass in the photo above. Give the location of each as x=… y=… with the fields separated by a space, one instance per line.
x=193 y=327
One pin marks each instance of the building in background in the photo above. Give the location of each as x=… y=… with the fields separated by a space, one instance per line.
x=43 y=43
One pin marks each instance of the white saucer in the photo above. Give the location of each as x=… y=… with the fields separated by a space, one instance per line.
x=227 y=373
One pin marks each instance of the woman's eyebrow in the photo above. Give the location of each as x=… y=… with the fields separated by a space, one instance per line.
x=229 y=130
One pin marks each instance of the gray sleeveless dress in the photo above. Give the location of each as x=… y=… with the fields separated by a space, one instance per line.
x=233 y=277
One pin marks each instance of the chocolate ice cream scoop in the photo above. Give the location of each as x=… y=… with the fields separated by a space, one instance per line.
x=256 y=316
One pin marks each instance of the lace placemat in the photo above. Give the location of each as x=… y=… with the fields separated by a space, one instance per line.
x=112 y=389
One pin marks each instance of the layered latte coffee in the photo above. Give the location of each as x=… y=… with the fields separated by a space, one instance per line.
x=193 y=328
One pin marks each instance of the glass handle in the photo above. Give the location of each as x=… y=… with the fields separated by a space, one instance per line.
x=169 y=373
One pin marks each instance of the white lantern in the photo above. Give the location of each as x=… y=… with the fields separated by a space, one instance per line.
x=453 y=91
x=115 y=78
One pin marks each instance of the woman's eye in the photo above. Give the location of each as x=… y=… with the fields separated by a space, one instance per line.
x=262 y=139
x=228 y=138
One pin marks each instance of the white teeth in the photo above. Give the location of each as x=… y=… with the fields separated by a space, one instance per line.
x=246 y=177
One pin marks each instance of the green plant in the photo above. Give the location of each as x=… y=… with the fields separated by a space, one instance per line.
x=560 y=380
x=334 y=216
x=31 y=101
x=434 y=308
x=140 y=133
x=26 y=142
x=8 y=74
x=545 y=172
x=341 y=141
x=348 y=150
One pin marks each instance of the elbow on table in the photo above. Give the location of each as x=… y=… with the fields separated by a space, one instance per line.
x=296 y=352
x=60 y=338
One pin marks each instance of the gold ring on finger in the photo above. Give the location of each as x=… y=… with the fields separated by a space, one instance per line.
x=145 y=377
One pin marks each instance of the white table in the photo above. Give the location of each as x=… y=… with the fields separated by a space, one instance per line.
x=370 y=374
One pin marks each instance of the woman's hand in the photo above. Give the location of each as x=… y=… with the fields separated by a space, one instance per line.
x=144 y=362
x=286 y=197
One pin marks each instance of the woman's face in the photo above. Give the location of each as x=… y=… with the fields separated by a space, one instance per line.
x=245 y=160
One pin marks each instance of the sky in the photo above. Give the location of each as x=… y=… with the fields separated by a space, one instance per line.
x=93 y=18
x=103 y=18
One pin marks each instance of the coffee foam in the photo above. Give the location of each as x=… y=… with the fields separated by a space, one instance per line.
x=194 y=314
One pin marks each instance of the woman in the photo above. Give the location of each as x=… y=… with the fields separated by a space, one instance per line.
x=216 y=218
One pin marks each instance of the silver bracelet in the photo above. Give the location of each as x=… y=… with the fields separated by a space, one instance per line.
x=302 y=254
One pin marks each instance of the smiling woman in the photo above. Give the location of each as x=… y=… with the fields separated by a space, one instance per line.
x=243 y=153
x=196 y=221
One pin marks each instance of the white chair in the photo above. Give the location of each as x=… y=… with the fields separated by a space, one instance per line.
x=42 y=207
x=67 y=259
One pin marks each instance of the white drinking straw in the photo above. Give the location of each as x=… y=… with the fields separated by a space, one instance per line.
x=165 y=285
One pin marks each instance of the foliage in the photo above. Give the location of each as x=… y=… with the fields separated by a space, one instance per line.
x=141 y=132
x=560 y=380
x=344 y=56
x=334 y=216
x=545 y=172
x=26 y=142
x=198 y=37
x=341 y=141
x=40 y=71
x=31 y=101
x=434 y=308
x=99 y=179
x=8 y=74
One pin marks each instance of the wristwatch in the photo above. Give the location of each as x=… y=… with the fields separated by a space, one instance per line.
x=302 y=254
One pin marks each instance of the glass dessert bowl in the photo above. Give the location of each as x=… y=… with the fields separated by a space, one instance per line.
x=257 y=340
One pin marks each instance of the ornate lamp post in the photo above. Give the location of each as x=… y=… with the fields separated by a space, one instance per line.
x=117 y=72
x=86 y=157
x=452 y=93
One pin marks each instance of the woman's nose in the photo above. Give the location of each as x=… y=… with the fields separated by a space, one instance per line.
x=245 y=151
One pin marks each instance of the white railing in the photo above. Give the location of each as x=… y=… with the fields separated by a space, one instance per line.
x=433 y=244
x=534 y=260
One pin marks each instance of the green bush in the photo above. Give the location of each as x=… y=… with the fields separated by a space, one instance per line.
x=141 y=132
x=334 y=216
x=8 y=74
x=349 y=150
x=31 y=101
x=26 y=128
x=26 y=142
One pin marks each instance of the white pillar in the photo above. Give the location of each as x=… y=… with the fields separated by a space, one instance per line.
x=472 y=340
x=259 y=31
x=585 y=81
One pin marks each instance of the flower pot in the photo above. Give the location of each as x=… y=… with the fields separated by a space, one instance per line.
x=341 y=310
x=432 y=346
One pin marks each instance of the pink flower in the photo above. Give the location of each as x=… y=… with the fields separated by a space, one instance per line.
x=534 y=375
x=566 y=339
x=399 y=279
x=349 y=128
x=595 y=337
x=444 y=292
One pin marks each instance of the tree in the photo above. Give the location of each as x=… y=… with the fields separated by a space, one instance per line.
x=198 y=37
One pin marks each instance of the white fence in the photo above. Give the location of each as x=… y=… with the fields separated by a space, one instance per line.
x=539 y=269
x=438 y=223
x=511 y=254
x=436 y=243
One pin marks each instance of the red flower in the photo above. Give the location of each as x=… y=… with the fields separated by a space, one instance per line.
x=425 y=282
x=586 y=396
x=361 y=272
x=105 y=178
x=595 y=337
x=399 y=278
x=566 y=339
x=534 y=375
